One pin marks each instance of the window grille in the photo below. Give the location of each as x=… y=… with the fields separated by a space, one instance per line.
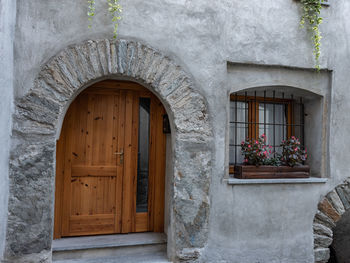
x=276 y=114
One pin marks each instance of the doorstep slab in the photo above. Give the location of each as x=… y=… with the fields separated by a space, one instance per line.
x=108 y=241
x=153 y=258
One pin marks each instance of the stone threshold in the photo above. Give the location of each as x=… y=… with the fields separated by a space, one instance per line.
x=311 y=180
x=108 y=241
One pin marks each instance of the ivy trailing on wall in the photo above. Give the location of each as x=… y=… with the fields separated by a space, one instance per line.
x=311 y=10
x=114 y=8
x=91 y=11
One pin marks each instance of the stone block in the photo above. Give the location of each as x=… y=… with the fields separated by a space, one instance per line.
x=94 y=59
x=52 y=77
x=103 y=51
x=153 y=68
x=322 y=241
x=326 y=207
x=38 y=115
x=321 y=254
x=146 y=63
x=321 y=229
x=189 y=255
x=337 y=204
x=82 y=59
x=68 y=71
x=171 y=80
x=131 y=58
x=114 y=57
x=76 y=65
x=324 y=219
x=122 y=52
x=344 y=195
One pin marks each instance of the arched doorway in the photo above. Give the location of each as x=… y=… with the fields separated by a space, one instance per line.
x=110 y=162
x=36 y=124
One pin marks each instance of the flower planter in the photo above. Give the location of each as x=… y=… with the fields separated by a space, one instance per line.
x=271 y=172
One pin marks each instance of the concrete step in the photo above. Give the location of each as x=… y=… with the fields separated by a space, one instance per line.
x=136 y=247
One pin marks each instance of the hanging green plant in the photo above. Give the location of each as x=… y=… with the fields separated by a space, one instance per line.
x=114 y=8
x=311 y=10
x=91 y=11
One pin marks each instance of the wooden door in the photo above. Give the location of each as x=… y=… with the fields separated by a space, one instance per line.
x=110 y=162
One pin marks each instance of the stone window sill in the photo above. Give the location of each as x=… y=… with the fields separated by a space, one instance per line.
x=311 y=180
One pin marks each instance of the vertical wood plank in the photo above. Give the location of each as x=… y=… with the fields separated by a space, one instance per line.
x=127 y=190
x=60 y=146
x=159 y=178
x=134 y=158
x=152 y=163
x=120 y=165
x=67 y=173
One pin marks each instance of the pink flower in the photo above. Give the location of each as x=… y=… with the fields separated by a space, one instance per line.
x=249 y=146
x=270 y=146
x=256 y=142
x=296 y=149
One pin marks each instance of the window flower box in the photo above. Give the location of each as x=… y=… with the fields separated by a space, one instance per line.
x=271 y=172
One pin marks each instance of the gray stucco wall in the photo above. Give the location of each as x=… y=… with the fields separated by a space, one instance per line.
x=7 y=24
x=248 y=223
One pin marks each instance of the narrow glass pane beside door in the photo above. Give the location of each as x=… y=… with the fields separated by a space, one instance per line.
x=143 y=156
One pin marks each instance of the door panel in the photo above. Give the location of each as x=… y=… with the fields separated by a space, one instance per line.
x=90 y=166
x=97 y=163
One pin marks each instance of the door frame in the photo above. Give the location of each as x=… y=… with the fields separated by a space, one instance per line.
x=153 y=220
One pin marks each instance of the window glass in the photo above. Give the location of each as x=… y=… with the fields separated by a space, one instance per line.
x=272 y=123
x=143 y=156
x=238 y=129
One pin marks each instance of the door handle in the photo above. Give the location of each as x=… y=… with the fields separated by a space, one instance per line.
x=121 y=154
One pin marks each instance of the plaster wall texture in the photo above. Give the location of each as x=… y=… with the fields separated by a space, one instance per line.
x=247 y=223
x=7 y=26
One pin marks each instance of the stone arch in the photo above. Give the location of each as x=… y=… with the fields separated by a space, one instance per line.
x=329 y=212
x=36 y=121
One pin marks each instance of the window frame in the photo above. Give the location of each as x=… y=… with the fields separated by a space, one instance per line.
x=253 y=115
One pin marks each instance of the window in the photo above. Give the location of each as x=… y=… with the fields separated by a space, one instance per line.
x=277 y=115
